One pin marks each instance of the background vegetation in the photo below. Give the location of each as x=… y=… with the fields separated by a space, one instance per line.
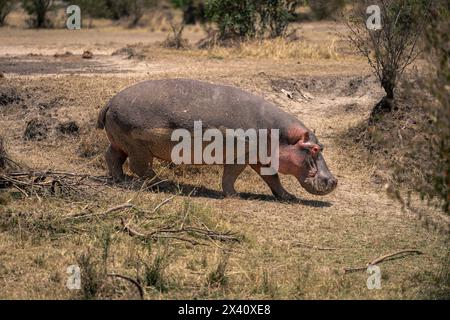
x=132 y=241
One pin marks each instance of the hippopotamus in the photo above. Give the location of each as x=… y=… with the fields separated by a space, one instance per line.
x=139 y=122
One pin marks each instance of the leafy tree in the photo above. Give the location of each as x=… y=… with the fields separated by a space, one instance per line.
x=324 y=9
x=115 y=10
x=6 y=7
x=437 y=83
x=391 y=49
x=38 y=10
x=193 y=10
x=276 y=16
x=247 y=19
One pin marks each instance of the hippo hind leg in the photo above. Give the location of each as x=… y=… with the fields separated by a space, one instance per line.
x=230 y=175
x=141 y=164
x=115 y=158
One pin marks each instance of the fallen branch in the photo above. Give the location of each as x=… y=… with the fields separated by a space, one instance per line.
x=300 y=244
x=163 y=203
x=288 y=94
x=154 y=235
x=121 y=207
x=169 y=233
x=34 y=183
x=131 y=280
x=384 y=258
x=109 y=211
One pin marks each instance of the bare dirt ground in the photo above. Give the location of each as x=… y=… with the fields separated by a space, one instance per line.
x=287 y=250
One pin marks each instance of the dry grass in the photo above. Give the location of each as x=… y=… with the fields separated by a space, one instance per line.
x=277 y=49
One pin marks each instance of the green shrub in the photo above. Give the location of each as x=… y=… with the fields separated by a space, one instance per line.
x=193 y=10
x=437 y=83
x=6 y=7
x=248 y=19
x=324 y=9
x=38 y=10
x=391 y=49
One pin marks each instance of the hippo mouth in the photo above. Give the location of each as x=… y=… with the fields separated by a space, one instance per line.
x=319 y=180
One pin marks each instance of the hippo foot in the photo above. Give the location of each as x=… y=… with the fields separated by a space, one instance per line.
x=286 y=196
x=231 y=195
x=121 y=179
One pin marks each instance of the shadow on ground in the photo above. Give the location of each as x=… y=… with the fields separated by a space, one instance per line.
x=189 y=190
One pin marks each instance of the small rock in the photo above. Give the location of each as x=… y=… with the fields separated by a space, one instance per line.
x=87 y=55
x=63 y=55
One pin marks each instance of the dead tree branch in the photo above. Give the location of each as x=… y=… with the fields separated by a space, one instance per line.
x=384 y=258
x=132 y=281
x=172 y=233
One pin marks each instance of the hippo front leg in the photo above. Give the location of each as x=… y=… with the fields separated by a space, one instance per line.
x=274 y=183
x=230 y=175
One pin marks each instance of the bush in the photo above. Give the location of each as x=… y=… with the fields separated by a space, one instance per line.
x=437 y=171
x=115 y=10
x=324 y=9
x=175 y=40
x=6 y=7
x=391 y=49
x=247 y=19
x=235 y=19
x=38 y=10
x=193 y=10
x=276 y=16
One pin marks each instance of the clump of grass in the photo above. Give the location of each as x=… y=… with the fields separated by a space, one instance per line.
x=5 y=198
x=218 y=276
x=267 y=286
x=93 y=144
x=277 y=49
x=92 y=278
x=106 y=241
x=175 y=39
x=154 y=272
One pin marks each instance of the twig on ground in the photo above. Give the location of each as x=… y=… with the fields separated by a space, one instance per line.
x=300 y=244
x=384 y=258
x=131 y=280
x=154 y=235
x=169 y=233
x=163 y=203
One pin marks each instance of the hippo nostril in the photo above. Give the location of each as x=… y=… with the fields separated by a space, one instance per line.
x=332 y=183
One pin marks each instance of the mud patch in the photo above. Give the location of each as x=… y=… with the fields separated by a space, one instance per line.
x=42 y=65
x=69 y=128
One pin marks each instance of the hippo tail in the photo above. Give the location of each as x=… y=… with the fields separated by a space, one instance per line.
x=102 y=117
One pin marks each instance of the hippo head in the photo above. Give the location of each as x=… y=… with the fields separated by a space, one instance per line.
x=303 y=159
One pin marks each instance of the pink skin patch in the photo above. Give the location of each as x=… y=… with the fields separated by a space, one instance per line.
x=293 y=157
